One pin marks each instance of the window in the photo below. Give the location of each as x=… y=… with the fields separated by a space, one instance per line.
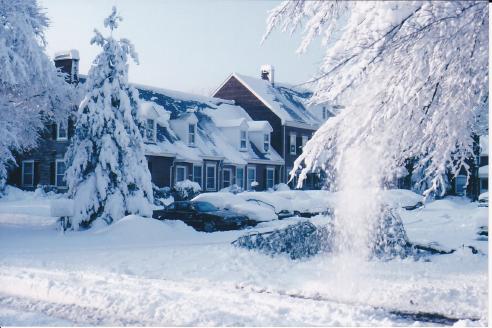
x=266 y=142
x=191 y=134
x=60 y=173
x=210 y=177
x=227 y=177
x=28 y=173
x=61 y=131
x=150 y=132
x=244 y=139
x=180 y=173
x=293 y=145
x=240 y=177
x=251 y=177
x=460 y=185
x=304 y=141
x=197 y=174
x=270 y=177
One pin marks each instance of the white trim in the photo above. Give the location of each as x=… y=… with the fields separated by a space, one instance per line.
x=230 y=177
x=266 y=161
x=32 y=173
x=58 y=138
x=56 y=173
x=206 y=177
x=301 y=125
x=185 y=173
x=272 y=169
x=192 y=144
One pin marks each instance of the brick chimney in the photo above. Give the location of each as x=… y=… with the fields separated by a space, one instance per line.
x=68 y=62
x=267 y=73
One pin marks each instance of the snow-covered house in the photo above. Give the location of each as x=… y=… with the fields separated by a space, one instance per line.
x=207 y=140
x=284 y=107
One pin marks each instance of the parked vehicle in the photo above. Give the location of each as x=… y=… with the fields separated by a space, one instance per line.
x=282 y=214
x=483 y=199
x=413 y=207
x=203 y=216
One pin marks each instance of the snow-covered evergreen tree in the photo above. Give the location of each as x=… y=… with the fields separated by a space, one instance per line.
x=107 y=172
x=31 y=89
x=412 y=75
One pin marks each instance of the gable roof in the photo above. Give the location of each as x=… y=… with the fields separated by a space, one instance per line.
x=288 y=103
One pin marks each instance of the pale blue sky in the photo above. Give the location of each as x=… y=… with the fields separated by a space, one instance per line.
x=187 y=45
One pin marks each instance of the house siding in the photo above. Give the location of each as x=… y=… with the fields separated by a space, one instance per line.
x=160 y=170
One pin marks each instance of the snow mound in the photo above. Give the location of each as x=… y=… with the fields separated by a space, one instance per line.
x=134 y=228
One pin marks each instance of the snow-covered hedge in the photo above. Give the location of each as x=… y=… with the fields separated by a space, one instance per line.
x=186 y=189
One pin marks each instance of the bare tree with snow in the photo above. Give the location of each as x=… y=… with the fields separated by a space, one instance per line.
x=413 y=77
x=32 y=91
x=108 y=176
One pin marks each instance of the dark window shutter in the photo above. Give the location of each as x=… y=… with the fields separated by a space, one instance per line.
x=53 y=131
x=71 y=128
x=37 y=173
x=52 y=173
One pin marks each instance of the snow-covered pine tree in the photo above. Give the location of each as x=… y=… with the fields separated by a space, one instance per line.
x=32 y=91
x=107 y=172
x=412 y=75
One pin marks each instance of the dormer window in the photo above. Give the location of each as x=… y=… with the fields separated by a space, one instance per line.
x=191 y=134
x=61 y=131
x=266 y=142
x=244 y=140
x=150 y=130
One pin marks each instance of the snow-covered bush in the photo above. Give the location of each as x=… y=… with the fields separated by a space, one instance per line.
x=162 y=196
x=234 y=189
x=107 y=172
x=281 y=187
x=186 y=189
x=254 y=185
x=304 y=239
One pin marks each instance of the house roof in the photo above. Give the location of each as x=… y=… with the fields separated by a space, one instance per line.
x=210 y=141
x=289 y=103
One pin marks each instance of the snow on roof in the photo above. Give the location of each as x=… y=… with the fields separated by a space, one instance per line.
x=287 y=102
x=210 y=141
x=149 y=109
x=67 y=54
x=232 y=123
x=483 y=171
x=259 y=126
x=484 y=145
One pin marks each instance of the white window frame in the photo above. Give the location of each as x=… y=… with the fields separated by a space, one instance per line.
x=201 y=174
x=248 y=182
x=206 y=177
x=56 y=173
x=154 y=130
x=185 y=173
x=230 y=177
x=305 y=139
x=266 y=142
x=293 y=143
x=32 y=173
x=241 y=139
x=270 y=169
x=191 y=135
x=241 y=183
x=58 y=137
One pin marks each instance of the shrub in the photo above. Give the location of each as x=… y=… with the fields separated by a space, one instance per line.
x=186 y=190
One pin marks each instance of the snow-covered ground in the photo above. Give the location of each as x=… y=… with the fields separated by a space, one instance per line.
x=146 y=272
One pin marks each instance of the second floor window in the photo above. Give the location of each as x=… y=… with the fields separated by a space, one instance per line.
x=293 y=146
x=266 y=142
x=61 y=131
x=191 y=134
x=150 y=132
x=244 y=139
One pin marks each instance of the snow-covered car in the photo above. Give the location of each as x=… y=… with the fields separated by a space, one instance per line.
x=483 y=199
x=203 y=216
